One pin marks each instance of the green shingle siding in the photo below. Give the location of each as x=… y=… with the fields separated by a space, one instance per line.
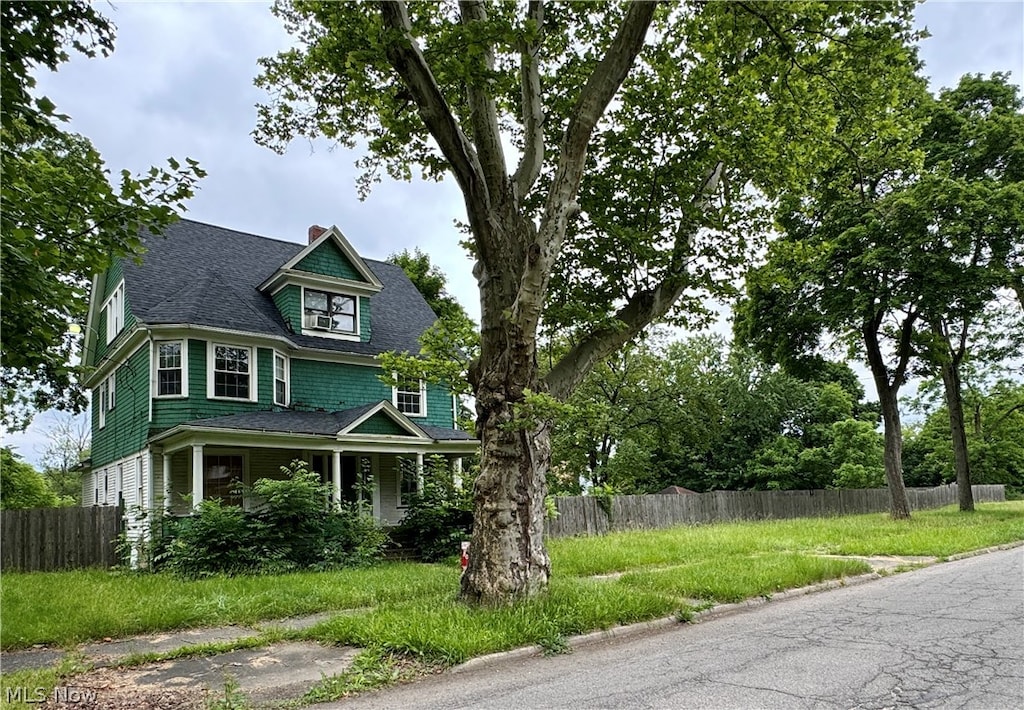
x=265 y=375
x=108 y=282
x=171 y=412
x=381 y=424
x=289 y=303
x=127 y=424
x=334 y=386
x=364 y=319
x=313 y=385
x=328 y=260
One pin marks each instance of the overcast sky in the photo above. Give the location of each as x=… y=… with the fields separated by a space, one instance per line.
x=180 y=83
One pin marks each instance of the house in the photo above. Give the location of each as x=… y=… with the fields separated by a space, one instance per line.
x=222 y=356
x=677 y=490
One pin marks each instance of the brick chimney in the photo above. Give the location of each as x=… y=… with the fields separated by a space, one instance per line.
x=315 y=231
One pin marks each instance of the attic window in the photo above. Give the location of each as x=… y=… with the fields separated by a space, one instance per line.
x=114 y=308
x=329 y=311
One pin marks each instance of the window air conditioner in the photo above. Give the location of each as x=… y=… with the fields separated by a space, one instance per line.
x=315 y=321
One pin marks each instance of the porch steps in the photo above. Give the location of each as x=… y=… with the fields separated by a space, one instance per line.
x=401 y=554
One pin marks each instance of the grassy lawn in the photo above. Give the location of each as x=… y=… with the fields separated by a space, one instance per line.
x=411 y=609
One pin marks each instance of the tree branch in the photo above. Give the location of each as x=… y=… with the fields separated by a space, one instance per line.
x=405 y=56
x=904 y=350
x=533 y=110
x=484 y=117
x=640 y=310
x=561 y=205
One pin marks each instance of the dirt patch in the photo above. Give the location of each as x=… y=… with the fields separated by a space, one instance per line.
x=109 y=689
x=278 y=672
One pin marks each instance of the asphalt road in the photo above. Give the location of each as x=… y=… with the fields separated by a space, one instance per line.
x=947 y=636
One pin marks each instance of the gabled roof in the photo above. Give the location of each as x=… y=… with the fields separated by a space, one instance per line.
x=204 y=275
x=332 y=235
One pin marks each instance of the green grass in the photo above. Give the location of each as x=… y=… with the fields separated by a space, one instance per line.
x=411 y=609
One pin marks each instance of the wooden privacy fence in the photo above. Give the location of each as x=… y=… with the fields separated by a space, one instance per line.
x=583 y=515
x=49 y=539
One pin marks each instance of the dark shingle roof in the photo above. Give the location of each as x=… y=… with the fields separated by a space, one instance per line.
x=287 y=421
x=205 y=275
x=317 y=423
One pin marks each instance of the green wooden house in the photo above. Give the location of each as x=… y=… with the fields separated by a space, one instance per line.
x=223 y=356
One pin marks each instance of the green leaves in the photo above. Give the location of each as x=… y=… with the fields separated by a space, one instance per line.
x=64 y=218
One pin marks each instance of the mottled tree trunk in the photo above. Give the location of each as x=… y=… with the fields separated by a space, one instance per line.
x=507 y=557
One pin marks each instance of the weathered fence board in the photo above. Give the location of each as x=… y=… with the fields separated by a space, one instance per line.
x=50 y=539
x=581 y=515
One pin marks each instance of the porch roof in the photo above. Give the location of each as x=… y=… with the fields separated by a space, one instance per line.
x=316 y=423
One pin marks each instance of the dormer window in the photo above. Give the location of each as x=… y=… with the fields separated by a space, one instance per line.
x=333 y=312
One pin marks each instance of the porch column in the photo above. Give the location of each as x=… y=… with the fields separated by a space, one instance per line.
x=419 y=471
x=336 y=476
x=150 y=480
x=457 y=472
x=167 y=481
x=197 y=475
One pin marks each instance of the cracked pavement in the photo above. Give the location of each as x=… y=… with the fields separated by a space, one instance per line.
x=946 y=636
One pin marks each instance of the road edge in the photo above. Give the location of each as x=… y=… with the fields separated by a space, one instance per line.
x=715 y=612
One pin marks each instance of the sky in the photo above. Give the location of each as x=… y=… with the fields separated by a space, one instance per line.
x=180 y=83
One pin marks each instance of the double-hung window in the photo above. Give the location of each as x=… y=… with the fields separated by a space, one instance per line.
x=410 y=397
x=107 y=398
x=333 y=312
x=280 y=380
x=170 y=370
x=114 y=308
x=232 y=372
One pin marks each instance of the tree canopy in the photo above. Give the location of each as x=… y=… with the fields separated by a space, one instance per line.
x=24 y=487
x=899 y=249
x=614 y=161
x=63 y=216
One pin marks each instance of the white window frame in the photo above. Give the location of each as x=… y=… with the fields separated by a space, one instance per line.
x=183 y=344
x=240 y=453
x=114 y=307
x=211 y=349
x=423 y=400
x=310 y=329
x=107 y=395
x=285 y=367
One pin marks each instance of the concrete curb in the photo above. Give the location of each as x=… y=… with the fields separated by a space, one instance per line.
x=714 y=612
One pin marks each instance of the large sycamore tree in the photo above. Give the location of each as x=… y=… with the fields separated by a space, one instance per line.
x=614 y=160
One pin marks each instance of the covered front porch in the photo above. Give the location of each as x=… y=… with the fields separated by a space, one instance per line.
x=375 y=455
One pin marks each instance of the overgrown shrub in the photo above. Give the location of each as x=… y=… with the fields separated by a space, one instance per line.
x=291 y=529
x=217 y=539
x=439 y=517
x=352 y=538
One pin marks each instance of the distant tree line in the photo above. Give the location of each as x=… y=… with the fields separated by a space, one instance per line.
x=706 y=415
